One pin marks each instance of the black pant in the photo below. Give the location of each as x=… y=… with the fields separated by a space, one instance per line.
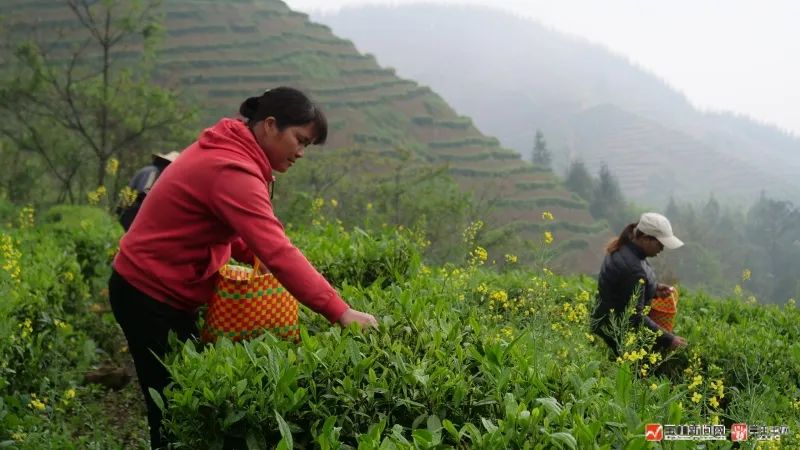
x=146 y=323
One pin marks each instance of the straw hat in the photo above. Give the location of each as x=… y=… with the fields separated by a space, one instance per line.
x=171 y=156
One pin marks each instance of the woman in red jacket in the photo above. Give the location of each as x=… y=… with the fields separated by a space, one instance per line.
x=211 y=203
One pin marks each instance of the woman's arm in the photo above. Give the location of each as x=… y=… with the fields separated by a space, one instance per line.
x=643 y=300
x=241 y=200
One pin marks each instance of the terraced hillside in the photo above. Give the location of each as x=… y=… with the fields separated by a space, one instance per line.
x=224 y=51
x=629 y=143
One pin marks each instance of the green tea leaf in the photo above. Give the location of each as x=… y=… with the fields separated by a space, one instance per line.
x=286 y=433
x=157 y=398
x=566 y=439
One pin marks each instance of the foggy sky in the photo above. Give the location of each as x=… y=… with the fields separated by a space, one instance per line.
x=741 y=56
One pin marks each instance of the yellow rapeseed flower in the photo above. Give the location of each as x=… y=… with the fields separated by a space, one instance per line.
x=479 y=255
x=26 y=217
x=511 y=259
x=37 y=405
x=96 y=195
x=127 y=196
x=472 y=231
x=500 y=296
x=19 y=436
x=111 y=166
x=10 y=257
x=713 y=402
x=697 y=397
x=746 y=274
x=653 y=387
x=547 y=215
x=548 y=237
x=27 y=328
x=697 y=381
x=334 y=203
x=719 y=387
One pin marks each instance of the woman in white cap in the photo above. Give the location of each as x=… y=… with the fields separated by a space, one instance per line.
x=626 y=274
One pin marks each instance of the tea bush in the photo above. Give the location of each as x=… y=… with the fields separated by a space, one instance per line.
x=358 y=257
x=49 y=336
x=469 y=357
x=466 y=356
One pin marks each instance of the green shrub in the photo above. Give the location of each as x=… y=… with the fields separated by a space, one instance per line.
x=360 y=258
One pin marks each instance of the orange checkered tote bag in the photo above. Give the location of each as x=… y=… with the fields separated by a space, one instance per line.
x=246 y=303
x=664 y=309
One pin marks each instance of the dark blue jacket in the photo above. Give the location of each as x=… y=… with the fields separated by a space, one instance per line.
x=141 y=182
x=618 y=283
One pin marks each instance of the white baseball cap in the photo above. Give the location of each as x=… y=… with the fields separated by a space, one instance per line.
x=656 y=225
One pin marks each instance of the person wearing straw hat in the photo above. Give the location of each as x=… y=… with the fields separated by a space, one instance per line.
x=141 y=183
x=213 y=203
x=626 y=274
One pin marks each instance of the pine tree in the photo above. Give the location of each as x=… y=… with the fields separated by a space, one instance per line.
x=607 y=200
x=578 y=180
x=711 y=212
x=672 y=212
x=541 y=155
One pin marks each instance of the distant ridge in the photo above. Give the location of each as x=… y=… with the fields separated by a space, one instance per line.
x=513 y=76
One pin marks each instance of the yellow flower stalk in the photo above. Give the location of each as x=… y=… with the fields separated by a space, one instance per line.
x=112 y=166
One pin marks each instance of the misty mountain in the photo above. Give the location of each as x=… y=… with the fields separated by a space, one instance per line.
x=514 y=76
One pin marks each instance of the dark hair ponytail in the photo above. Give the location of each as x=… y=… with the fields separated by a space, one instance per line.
x=627 y=235
x=289 y=107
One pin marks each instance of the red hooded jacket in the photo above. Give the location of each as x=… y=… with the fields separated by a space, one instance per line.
x=211 y=203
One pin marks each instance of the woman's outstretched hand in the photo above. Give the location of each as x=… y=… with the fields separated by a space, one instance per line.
x=364 y=320
x=663 y=290
x=678 y=342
